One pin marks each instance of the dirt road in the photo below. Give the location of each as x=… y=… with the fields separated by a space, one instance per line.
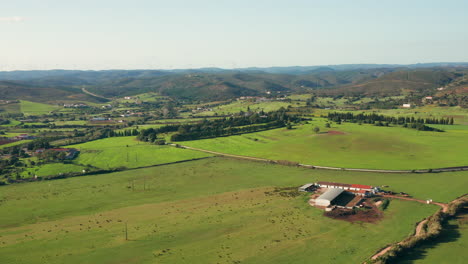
x=324 y=167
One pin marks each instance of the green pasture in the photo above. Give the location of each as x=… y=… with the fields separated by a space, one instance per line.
x=359 y=146
x=459 y=114
x=51 y=169
x=13 y=108
x=244 y=105
x=128 y=152
x=16 y=143
x=32 y=108
x=208 y=211
x=449 y=247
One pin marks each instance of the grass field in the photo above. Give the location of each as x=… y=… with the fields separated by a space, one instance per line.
x=16 y=143
x=360 y=146
x=51 y=169
x=449 y=248
x=237 y=106
x=32 y=108
x=128 y=152
x=207 y=211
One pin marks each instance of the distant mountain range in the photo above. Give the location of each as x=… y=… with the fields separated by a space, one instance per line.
x=208 y=84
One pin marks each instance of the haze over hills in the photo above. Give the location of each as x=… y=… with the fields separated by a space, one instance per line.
x=207 y=84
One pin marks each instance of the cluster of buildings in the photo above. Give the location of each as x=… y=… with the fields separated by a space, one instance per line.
x=334 y=190
x=71 y=153
x=80 y=105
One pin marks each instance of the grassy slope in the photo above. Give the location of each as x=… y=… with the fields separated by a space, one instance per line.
x=363 y=146
x=113 y=153
x=449 y=248
x=14 y=143
x=212 y=210
x=52 y=169
x=32 y=108
x=238 y=106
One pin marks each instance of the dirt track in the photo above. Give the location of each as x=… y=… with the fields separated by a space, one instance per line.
x=461 y=168
x=420 y=225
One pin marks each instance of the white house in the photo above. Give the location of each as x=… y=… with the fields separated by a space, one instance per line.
x=407 y=105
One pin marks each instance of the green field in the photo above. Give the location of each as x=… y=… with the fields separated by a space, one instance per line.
x=52 y=169
x=16 y=143
x=448 y=248
x=128 y=152
x=237 y=106
x=207 y=211
x=360 y=146
x=32 y=108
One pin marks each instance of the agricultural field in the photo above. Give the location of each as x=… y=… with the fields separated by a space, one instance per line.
x=459 y=114
x=128 y=152
x=205 y=211
x=12 y=144
x=447 y=248
x=52 y=169
x=349 y=145
x=244 y=105
x=32 y=108
x=13 y=108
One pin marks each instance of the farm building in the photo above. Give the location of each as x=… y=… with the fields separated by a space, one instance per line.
x=327 y=197
x=306 y=187
x=406 y=105
x=359 y=189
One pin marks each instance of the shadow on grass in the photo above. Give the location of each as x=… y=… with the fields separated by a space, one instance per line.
x=450 y=233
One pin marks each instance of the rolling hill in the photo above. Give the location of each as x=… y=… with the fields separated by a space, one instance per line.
x=19 y=91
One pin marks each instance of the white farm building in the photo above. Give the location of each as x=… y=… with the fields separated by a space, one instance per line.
x=327 y=197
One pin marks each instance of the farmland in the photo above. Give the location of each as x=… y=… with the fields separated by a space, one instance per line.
x=134 y=194
x=32 y=108
x=128 y=152
x=446 y=248
x=225 y=202
x=357 y=146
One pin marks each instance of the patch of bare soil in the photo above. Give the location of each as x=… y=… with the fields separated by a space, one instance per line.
x=368 y=214
x=334 y=132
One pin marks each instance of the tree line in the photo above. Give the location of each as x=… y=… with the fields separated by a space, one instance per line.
x=373 y=117
x=244 y=122
x=382 y=120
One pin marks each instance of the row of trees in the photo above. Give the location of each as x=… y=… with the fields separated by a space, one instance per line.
x=241 y=123
x=373 y=117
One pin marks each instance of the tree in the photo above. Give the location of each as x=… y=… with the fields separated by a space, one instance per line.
x=327 y=125
x=316 y=129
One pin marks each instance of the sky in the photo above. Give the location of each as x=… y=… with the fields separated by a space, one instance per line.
x=174 y=34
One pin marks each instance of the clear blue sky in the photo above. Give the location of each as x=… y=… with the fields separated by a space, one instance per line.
x=154 y=34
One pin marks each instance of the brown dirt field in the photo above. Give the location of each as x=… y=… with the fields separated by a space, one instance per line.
x=372 y=215
x=334 y=132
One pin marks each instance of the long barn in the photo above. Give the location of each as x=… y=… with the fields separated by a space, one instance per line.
x=327 y=197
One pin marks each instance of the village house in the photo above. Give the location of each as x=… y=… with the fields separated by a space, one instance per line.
x=71 y=153
x=406 y=105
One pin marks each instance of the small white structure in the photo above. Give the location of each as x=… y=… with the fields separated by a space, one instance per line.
x=406 y=105
x=306 y=187
x=327 y=197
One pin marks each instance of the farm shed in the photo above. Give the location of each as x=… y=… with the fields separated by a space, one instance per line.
x=306 y=187
x=327 y=197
